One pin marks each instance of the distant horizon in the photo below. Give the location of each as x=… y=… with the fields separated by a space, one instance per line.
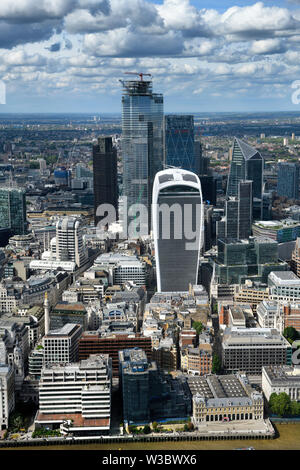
x=92 y=113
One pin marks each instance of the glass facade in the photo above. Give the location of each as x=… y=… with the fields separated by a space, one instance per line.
x=179 y=142
x=13 y=210
x=142 y=141
x=245 y=209
x=246 y=164
x=238 y=260
x=288 y=180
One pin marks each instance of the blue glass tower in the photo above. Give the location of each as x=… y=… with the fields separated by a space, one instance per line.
x=179 y=142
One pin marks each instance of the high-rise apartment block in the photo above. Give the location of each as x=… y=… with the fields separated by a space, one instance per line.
x=13 y=210
x=105 y=176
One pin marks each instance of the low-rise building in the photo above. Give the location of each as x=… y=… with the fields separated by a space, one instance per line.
x=218 y=399
x=284 y=285
x=281 y=379
x=249 y=349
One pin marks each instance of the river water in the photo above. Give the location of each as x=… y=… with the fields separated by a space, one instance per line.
x=289 y=439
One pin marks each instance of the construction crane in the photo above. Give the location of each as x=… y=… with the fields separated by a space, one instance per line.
x=140 y=74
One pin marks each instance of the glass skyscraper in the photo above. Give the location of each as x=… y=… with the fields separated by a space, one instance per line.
x=105 y=175
x=179 y=142
x=178 y=224
x=13 y=210
x=142 y=141
x=288 y=180
x=246 y=164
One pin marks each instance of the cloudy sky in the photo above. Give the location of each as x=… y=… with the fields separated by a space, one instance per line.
x=204 y=55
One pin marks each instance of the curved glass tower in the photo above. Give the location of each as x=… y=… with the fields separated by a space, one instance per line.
x=177 y=217
x=142 y=141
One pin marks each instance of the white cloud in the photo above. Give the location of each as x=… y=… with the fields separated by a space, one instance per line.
x=267 y=46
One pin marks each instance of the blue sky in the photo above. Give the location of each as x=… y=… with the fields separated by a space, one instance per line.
x=212 y=55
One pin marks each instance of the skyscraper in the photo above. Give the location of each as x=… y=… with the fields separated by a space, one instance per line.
x=247 y=164
x=179 y=142
x=69 y=242
x=288 y=180
x=105 y=175
x=142 y=141
x=238 y=219
x=244 y=209
x=13 y=210
x=177 y=214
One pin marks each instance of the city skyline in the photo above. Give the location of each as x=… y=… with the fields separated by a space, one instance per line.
x=204 y=56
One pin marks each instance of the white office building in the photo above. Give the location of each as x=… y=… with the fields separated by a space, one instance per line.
x=61 y=345
x=69 y=241
x=76 y=397
x=281 y=379
x=284 y=285
x=7 y=394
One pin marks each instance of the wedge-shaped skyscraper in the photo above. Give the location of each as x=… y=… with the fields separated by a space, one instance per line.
x=246 y=164
x=177 y=217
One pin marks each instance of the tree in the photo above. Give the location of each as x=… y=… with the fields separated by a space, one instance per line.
x=216 y=364
x=154 y=425
x=290 y=333
x=281 y=404
x=147 y=429
x=295 y=408
x=197 y=325
x=190 y=426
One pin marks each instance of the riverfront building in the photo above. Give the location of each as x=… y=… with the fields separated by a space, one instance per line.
x=281 y=379
x=223 y=398
x=76 y=397
x=147 y=394
x=7 y=394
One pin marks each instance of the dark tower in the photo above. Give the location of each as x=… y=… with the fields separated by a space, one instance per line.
x=105 y=175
